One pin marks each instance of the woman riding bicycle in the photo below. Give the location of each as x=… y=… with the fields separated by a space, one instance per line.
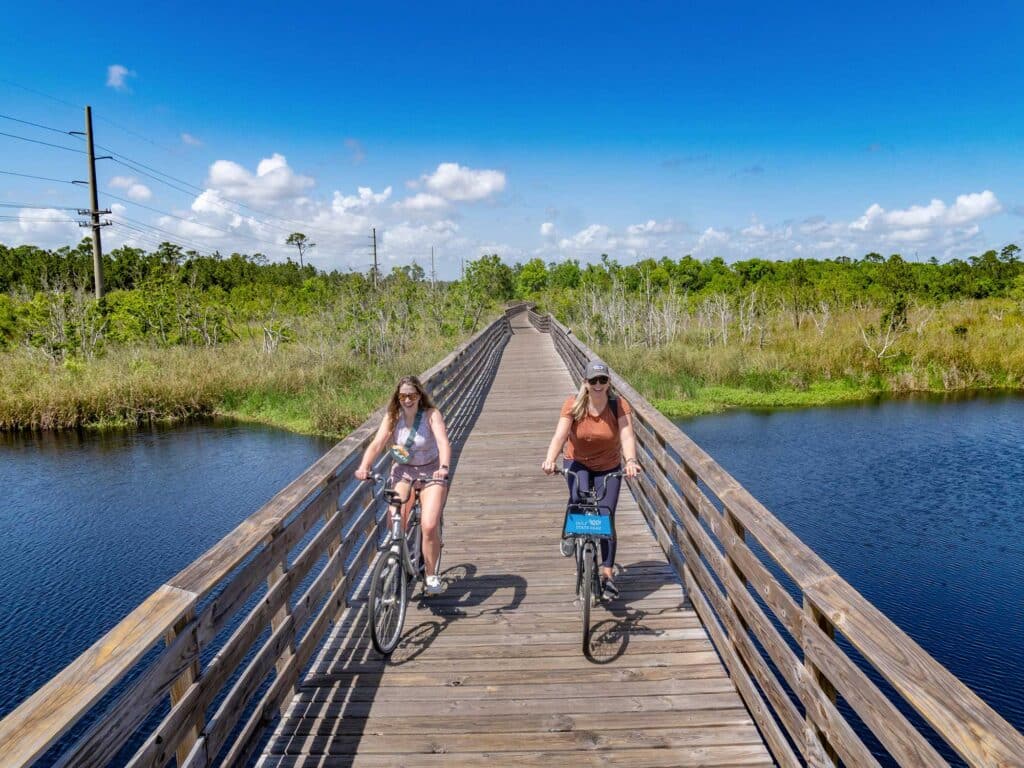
x=599 y=430
x=415 y=430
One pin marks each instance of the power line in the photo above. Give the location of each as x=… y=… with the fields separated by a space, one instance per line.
x=139 y=235
x=79 y=106
x=191 y=193
x=39 y=178
x=30 y=219
x=40 y=93
x=42 y=207
x=162 y=177
x=154 y=242
x=34 y=125
x=198 y=223
x=219 y=200
x=164 y=231
x=44 y=143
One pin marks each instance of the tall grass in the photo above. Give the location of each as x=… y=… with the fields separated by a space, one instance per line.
x=326 y=390
x=959 y=346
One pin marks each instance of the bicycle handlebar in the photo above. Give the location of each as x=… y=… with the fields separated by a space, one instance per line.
x=376 y=477
x=592 y=493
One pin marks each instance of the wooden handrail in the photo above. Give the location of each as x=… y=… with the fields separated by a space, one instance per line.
x=791 y=652
x=193 y=609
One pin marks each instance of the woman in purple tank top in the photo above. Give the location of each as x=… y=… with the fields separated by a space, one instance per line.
x=415 y=430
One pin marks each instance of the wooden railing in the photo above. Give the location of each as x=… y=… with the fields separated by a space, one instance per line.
x=784 y=649
x=234 y=620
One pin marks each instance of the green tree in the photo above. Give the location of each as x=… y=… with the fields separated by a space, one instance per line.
x=301 y=243
x=532 y=278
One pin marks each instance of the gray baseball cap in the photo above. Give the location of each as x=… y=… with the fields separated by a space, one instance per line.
x=596 y=368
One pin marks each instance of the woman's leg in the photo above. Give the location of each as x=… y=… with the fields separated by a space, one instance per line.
x=580 y=481
x=404 y=489
x=608 y=506
x=431 y=505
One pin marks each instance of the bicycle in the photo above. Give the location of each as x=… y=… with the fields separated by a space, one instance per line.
x=587 y=527
x=400 y=564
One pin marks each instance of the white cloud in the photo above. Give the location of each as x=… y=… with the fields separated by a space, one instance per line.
x=547 y=229
x=652 y=227
x=975 y=206
x=117 y=77
x=133 y=188
x=423 y=201
x=413 y=241
x=192 y=141
x=455 y=182
x=44 y=227
x=273 y=182
x=967 y=208
x=593 y=237
x=364 y=199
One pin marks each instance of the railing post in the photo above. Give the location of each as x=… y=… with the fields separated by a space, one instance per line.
x=181 y=685
x=818 y=749
x=284 y=612
x=333 y=547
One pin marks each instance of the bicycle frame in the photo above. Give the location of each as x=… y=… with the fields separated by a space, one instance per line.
x=407 y=543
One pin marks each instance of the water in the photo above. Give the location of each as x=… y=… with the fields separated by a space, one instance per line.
x=93 y=523
x=919 y=504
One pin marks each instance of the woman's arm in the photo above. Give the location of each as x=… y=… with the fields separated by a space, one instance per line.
x=444 y=448
x=373 y=449
x=628 y=441
x=557 y=441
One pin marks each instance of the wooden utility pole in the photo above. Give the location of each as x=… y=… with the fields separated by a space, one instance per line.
x=94 y=209
x=432 y=277
x=375 y=272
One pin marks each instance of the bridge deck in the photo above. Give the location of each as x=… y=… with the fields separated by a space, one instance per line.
x=491 y=673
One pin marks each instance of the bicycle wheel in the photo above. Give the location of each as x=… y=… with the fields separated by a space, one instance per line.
x=388 y=592
x=586 y=588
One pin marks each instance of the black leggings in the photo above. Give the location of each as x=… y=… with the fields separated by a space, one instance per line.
x=607 y=505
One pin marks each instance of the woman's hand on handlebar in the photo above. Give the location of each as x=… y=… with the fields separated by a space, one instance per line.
x=363 y=474
x=632 y=469
x=549 y=467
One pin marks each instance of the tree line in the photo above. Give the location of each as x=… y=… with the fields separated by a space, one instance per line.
x=169 y=296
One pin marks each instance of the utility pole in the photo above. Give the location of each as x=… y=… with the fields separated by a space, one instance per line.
x=432 y=277
x=374 y=257
x=94 y=211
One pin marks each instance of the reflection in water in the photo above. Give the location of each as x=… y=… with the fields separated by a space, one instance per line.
x=918 y=504
x=93 y=522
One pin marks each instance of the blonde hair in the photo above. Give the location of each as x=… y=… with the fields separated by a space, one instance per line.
x=394 y=406
x=582 y=402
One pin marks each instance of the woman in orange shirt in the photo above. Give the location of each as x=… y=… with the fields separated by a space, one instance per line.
x=600 y=437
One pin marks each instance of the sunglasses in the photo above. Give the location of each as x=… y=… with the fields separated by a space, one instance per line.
x=408 y=396
x=598 y=380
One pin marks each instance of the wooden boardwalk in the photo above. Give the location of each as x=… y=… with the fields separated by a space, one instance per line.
x=491 y=673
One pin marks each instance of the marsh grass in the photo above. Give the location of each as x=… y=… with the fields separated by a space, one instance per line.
x=323 y=391
x=959 y=346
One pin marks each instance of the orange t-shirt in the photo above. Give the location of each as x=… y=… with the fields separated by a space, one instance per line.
x=594 y=440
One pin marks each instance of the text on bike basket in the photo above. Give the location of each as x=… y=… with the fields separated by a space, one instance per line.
x=588 y=525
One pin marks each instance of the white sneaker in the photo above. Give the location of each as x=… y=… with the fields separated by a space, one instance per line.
x=434 y=585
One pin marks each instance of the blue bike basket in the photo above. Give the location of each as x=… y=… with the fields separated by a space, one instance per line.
x=599 y=526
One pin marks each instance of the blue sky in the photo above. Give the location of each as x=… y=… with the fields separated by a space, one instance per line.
x=554 y=130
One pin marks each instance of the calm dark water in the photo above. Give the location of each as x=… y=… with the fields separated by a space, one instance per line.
x=92 y=523
x=919 y=504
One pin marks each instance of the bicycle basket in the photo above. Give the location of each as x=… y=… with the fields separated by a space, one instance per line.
x=597 y=526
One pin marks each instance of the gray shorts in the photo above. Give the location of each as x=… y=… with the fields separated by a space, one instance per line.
x=418 y=474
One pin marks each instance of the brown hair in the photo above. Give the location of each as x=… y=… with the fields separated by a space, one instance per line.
x=395 y=405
